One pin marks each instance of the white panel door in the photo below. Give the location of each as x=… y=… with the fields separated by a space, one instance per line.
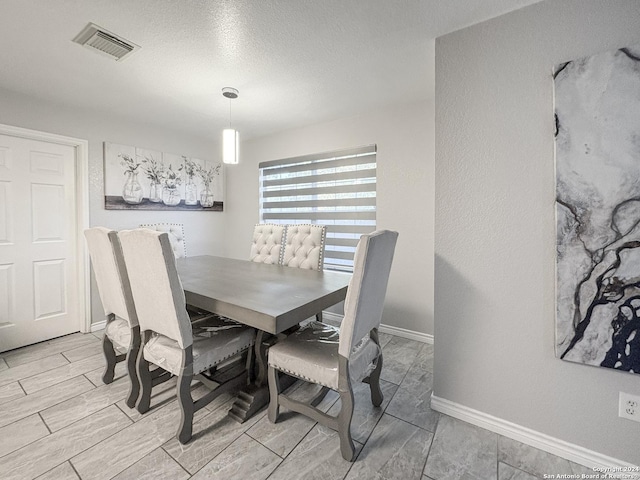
x=38 y=268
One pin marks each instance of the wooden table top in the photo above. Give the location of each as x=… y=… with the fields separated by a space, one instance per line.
x=271 y=298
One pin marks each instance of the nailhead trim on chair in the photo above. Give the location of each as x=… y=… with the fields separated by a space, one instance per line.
x=224 y=358
x=219 y=360
x=355 y=349
x=311 y=380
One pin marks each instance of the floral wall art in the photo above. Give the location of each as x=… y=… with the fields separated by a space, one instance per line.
x=597 y=107
x=139 y=178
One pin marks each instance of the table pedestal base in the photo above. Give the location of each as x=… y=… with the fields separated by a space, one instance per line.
x=253 y=398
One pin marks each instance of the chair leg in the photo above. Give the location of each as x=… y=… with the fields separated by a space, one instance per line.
x=134 y=386
x=261 y=357
x=374 y=383
x=274 y=391
x=319 y=317
x=344 y=425
x=110 y=357
x=346 y=410
x=144 y=378
x=186 y=408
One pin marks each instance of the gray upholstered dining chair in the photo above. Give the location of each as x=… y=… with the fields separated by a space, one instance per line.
x=121 y=338
x=268 y=243
x=332 y=357
x=176 y=236
x=169 y=339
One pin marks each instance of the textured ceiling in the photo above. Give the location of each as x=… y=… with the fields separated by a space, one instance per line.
x=295 y=62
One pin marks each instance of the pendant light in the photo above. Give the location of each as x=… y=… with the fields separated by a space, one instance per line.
x=230 y=135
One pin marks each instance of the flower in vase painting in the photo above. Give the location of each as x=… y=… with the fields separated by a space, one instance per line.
x=129 y=164
x=171 y=178
x=132 y=192
x=207 y=175
x=189 y=166
x=153 y=169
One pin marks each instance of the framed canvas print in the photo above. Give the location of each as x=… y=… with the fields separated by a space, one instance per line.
x=143 y=179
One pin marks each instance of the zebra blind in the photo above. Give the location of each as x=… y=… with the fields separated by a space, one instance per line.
x=336 y=189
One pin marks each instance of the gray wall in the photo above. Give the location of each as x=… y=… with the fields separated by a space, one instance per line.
x=495 y=225
x=404 y=135
x=204 y=230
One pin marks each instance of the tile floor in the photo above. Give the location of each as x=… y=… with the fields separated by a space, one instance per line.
x=58 y=421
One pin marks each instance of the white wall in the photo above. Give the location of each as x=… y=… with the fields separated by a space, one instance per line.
x=404 y=135
x=495 y=225
x=203 y=230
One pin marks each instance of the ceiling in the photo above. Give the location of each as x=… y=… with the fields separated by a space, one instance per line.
x=295 y=62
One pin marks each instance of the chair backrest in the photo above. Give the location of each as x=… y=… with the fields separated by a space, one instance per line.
x=176 y=236
x=304 y=246
x=268 y=243
x=110 y=273
x=155 y=286
x=365 y=297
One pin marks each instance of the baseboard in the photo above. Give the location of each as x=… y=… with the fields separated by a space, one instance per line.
x=332 y=318
x=98 y=326
x=404 y=333
x=549 y=444
x=400 y=332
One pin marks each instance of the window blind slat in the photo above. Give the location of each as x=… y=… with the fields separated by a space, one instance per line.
x=341 y=242
x=360 y=229
x=362 y=187
x=342 y=162
x=347 y=152
x=342 y=255
x=335 y=229
x=336 y=202
x=319 y=216
x=322 y=177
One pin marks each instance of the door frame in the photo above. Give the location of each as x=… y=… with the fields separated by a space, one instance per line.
x=82 y=209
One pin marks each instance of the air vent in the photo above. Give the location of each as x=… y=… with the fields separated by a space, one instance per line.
x=104 y=42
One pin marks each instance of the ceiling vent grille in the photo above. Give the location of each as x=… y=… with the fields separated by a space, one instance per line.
x=104 y=42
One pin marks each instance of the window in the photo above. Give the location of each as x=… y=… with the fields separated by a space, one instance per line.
x=337 y=189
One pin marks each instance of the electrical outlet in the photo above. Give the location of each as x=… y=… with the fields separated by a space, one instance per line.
x=629 y=406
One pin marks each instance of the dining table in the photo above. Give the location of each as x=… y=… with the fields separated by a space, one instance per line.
x=270 y=298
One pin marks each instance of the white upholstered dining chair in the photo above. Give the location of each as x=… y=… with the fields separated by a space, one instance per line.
x=176 y=236
x=122 y=334
x=169 y=339
x=178 y=243
x=335 y=358
x=304 y=246
x=267 y=245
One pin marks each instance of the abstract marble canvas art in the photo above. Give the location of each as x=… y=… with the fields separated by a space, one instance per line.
x=597 y=107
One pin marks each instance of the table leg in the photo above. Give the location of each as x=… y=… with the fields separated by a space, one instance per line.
x=255 y=396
